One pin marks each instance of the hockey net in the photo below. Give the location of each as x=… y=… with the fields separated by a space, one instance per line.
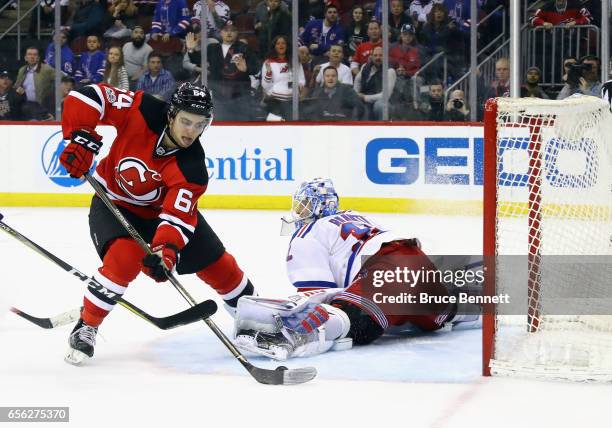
x=547 y=222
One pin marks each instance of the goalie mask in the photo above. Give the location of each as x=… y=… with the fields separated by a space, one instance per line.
x=313 y=200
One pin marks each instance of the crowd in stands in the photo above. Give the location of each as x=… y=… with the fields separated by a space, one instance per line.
x=153 y=45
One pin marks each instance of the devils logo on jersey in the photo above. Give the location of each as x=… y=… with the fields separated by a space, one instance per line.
x=137 y=180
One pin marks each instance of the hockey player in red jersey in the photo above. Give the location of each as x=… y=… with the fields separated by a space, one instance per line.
x=155 y=173
x=334 y=258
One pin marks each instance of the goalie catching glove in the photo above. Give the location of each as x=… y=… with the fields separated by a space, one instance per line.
x=162 y=260
x=78 y=156
x=281 y=329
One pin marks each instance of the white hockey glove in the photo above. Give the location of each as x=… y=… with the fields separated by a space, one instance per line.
x=282 y=329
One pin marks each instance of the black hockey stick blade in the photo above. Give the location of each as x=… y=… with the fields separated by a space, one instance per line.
x=195 y=313
x=56 y=321
x=282 y=375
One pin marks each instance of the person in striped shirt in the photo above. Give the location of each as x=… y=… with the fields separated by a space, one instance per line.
x=115 y=73
x=156 y=80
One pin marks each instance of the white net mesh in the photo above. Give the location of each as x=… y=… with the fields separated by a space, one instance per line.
x=554 y=186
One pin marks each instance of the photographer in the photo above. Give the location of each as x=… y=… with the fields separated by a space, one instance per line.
x=582 y=78
x=432 y=106
x=456 y=108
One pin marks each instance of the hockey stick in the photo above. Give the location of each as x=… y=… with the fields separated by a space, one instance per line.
x=195 y=313
x=280 y=376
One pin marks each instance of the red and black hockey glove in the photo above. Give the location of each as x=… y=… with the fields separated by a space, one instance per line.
x=78 y=156
x=163 y=259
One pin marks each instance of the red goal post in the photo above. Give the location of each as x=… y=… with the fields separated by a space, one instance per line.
x=547 y=192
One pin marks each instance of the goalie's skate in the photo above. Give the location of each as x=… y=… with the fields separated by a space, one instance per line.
x=271 y=345
x=82 y=341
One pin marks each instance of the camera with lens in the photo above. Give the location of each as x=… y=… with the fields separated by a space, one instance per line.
x=458 y=104
x=575 y=72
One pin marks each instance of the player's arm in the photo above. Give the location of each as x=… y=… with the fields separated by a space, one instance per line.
x=84 y=109
x=308 y=263
x=179 y=218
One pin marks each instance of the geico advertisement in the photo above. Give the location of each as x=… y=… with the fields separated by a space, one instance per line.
x=439 y=162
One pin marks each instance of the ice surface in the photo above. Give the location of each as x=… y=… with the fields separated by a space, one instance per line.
x=142 y=376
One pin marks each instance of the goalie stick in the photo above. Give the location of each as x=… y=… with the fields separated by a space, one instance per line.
x=195 y=313
x=279 y=376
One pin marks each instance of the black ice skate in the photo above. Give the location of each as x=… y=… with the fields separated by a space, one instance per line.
x=82 y=341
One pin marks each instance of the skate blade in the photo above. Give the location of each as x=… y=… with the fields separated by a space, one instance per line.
x=75 y=357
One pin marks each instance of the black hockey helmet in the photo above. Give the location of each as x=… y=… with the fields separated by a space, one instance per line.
x=192 y=98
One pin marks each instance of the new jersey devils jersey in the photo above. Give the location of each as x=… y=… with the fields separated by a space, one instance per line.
x=327 y=253
x=139 y=173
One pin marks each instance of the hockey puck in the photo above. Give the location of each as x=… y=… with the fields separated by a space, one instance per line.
x=1 y=216
x=281 y=368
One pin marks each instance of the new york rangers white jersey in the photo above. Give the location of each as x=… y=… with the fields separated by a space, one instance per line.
x=328 y=252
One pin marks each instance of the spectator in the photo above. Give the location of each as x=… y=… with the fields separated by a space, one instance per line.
x=35 y=80
x=561 y=12
x=276 y=23
x=135 y=55
x=432 y=106
x=419 y=10
x=47 y=15
x=397 y=19
x=532 y=88
x=308 y=66
x=66 y=85
x=231 y=64
x=336 y=55
x=10 y=100
x=333 y=100
x=156 y=80
x=460 y=12
x=87 y=18
x=357 y=31
x=320 y=34
x=456 y=107
x=405 y=56
x=278 y=79
x=115 y=73
x=262 y=11
x=368 y=84
x=583 y=80
x=364 y=50
x=67 y=57
x=310 y=10
x=171 y=19
x=501 y=86
x=123 y=14
x=217 y=14
x=91 y=63
x=192 y=45
x=440 y=34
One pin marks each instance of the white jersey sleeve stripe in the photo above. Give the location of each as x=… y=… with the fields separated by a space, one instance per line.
x=177 y=221
x=367 y=305
x=87 y=101
x=99 y=92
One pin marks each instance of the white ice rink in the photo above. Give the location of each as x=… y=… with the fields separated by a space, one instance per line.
x=145 y=377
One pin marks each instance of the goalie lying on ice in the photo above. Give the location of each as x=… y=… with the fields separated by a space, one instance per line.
x=332 y=255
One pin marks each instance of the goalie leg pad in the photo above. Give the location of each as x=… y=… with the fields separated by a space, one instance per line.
x=281 y=329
